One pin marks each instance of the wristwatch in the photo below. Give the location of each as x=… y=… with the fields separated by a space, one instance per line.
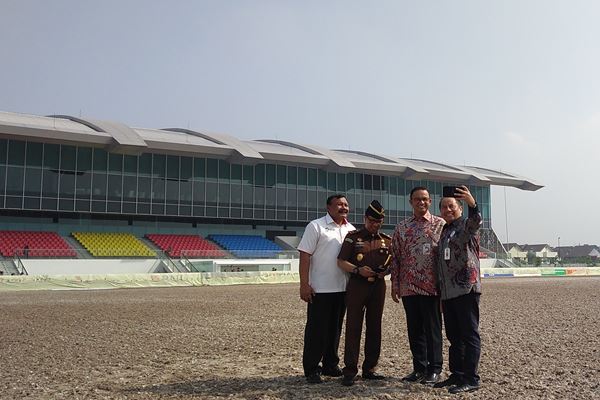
x=355 y=270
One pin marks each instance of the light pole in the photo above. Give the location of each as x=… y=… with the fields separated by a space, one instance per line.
x=558 y=250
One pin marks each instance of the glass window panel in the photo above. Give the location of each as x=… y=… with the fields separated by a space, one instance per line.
x=212 y=193
x=130 y=164
x=66 y=204
x=212 y=168
x=100 y=160
x=173 y=167
x=158 y=209
x=84 y=159
x=248 y=174
x=367 y=182
x=341 y=183
x=3 y=149
x=32 y=203
x=33 y=182
x=247 y=213
x=224 y=170
x=99 y=186
x=172 y=191
x=83 y=205
x=186 y=167
x=331 y=181
x=236 y=172
x=259 y=175
x=14 y=181
x=51 y=155
x=16 y=152
x=211 y=211
x=159 y=163
x=223 y=212
x=270 y=172
x=68 y=156
x=143 y=208
x=236 y=195
x=486 y=195
x=129 y=188
x=350 y=185
x=236 y=213
x=14 y=202
x=377 y=182
x=2 y=182
x=281 y=198
x=144 y=189
x=248 y=196
x=199 y=168
x=115 y=186
x=158 y=191
x=224 y=194
x=49 y=204
x=34 y=154
x=199 y=198
x=291 y=201
x=312 y=177
x=50 y=183
x=172 y=209
x=259 y=197
x=270 y=197
x=292 y=175
x=145 y=164
x=322 y=176
x=185 y=210
x=198 y=211
x=67 y=184
x=281 y=174
x=115 y=163
x=185 y=192
x=128 y=208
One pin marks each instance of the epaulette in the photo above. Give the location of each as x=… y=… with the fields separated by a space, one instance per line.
x=348 y=238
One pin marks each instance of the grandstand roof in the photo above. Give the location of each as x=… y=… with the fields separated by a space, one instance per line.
x=120 y=138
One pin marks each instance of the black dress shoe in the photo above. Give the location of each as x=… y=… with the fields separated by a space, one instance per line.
x=414 y=376
x=335 y=372
x=374 y=376
x=463 y=388
x=431 y=378
x=348 y=380
x=314 y=377
x=452 y=380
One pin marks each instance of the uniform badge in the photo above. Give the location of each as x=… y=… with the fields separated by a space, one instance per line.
x=359 y=256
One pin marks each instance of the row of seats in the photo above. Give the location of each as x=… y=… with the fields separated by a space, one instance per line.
x=50 y=244
x=34 y=244
x=244 y=246
x=190 y=246
x=113 y=244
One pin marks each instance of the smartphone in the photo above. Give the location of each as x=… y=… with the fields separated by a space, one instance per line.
x=449 y=191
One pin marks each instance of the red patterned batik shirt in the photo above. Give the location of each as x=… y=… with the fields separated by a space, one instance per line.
x=414 y=250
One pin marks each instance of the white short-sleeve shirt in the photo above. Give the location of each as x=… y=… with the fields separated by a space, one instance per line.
x=323 y=240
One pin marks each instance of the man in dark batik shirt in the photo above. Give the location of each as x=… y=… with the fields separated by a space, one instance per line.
x=460 y=288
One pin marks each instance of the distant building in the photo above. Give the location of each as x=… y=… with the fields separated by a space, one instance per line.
x=582 y=253
x=515 y=251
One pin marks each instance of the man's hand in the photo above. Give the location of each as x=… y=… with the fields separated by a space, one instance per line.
x=306 y=292
x=395 y=294
x=366 y=272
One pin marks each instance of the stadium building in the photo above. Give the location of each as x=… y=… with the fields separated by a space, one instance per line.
x=66 y=174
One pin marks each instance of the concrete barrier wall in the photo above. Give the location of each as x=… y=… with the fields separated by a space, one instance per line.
x=112 y=281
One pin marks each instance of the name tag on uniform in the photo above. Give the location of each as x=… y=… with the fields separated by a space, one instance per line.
x=447 y=253
x=426 y=248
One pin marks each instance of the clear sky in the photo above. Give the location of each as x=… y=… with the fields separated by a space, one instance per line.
x=510 y=85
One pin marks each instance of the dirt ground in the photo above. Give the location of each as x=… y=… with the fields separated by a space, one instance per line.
x=540 y=340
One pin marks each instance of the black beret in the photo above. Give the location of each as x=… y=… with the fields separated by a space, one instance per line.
x=375 y=210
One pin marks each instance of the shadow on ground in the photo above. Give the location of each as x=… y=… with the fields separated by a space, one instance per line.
x=288 y=387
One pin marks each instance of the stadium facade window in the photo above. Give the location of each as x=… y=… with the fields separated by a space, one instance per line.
x=68 y=178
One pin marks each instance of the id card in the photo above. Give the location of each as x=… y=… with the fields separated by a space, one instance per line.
x=447 y=253
x=426 y=248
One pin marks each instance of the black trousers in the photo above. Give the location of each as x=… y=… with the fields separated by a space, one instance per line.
x=424 y=324
x=324 y=320
x=461 y=318
x=363 y=298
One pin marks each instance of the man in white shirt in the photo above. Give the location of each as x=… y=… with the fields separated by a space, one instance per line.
x=323 y=287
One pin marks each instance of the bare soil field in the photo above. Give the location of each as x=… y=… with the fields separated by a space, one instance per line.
x=540 y=340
